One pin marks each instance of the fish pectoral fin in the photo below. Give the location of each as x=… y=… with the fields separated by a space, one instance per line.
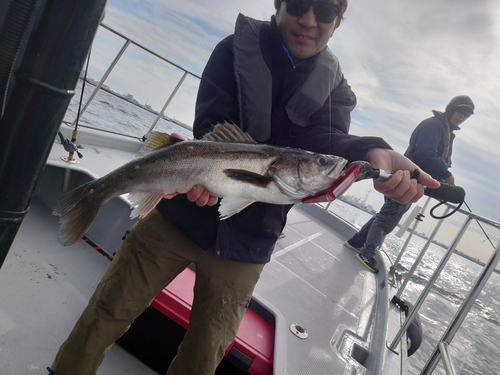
x=247 y=176
x=143 y=203
x=288 y=190
x=155 y=141
x=232 y=205
x=226 y=132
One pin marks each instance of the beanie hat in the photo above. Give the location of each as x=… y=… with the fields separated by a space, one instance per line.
x=460 y=101
x=343 y=4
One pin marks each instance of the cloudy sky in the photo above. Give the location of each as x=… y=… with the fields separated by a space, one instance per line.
x=402 y=58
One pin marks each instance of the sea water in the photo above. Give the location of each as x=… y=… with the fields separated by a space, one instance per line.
x=475 y=348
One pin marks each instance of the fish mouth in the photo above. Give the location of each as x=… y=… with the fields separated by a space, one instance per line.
x=335 y=170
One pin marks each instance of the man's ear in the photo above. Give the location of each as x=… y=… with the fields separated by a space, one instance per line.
x=337 y=24
x=339 y=21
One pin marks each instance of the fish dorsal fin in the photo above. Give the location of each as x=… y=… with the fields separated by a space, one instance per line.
x=247 y=176
x=230 y=206
x=226 y=132
x=143 y=203
x=155 y=141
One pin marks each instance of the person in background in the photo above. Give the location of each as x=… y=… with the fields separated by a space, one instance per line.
x=280 y=83
x=430 y=148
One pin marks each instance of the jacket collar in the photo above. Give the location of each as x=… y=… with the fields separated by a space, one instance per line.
x=440 y=115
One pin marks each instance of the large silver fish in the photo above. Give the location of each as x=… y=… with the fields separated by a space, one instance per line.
x=227 y=161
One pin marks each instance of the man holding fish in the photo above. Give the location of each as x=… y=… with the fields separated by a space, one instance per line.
x=279 y=83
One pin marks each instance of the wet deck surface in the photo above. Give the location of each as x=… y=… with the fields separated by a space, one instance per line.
x=43 y=290
x=313 y=272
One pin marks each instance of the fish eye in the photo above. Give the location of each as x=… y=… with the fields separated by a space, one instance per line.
x=321 y=160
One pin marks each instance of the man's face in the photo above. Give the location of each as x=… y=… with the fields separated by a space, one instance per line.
x=459 y=116
x=304 y=36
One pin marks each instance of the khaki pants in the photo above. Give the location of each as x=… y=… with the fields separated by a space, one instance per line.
x=152 y=255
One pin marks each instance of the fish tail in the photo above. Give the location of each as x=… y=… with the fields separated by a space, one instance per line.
x=77 y=212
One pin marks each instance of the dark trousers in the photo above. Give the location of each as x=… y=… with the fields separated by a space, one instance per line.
x=374 y=231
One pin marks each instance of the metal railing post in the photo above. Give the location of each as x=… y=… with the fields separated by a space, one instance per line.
x=111 y=67
x=413 y=229
x=409 y=319
x=166 y=104
x=104 y=77
x=420 y=256
x=464 y=309
x=447 y=360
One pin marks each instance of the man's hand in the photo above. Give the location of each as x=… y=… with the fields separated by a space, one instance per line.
x=201 y=196
x=400 y=186
x=198 y=193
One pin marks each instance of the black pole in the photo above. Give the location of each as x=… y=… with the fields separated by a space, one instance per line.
x=45 y=82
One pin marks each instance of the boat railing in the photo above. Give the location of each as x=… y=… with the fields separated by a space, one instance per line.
x=99 y=86
x=441 y=349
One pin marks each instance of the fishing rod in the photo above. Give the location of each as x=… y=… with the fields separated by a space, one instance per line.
x=361 y=170
x=70 y=145
x=445 y=193
x=83 y=90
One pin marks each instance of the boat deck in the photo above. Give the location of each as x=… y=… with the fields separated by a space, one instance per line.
x=312 y=280
x=43 y=290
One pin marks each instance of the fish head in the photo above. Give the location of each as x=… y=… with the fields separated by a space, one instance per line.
x=303 y=173
x=318 y=171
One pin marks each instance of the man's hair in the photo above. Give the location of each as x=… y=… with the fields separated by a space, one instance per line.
x=343 y=3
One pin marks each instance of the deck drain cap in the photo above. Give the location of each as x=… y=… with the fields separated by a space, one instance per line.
x=299 y=331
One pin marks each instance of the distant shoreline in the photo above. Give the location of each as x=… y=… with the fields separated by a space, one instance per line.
x=130 y=98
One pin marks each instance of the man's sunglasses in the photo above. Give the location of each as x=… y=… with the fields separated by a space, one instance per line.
x=325 y=12
x=463 y=112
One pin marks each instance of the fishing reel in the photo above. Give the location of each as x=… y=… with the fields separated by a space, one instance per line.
x=69 y=146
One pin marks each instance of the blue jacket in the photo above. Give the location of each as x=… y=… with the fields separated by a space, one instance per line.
x=427 y=144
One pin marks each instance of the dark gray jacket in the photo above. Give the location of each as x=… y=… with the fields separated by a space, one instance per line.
x=251 y=80
x=427 y=144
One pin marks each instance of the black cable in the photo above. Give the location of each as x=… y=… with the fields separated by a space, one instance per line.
x=444 y=216
x=480 y=226
x=83 y=89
